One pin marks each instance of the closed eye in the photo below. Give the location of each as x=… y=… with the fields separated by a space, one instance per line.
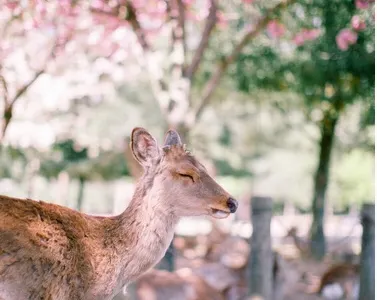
x=187 y=176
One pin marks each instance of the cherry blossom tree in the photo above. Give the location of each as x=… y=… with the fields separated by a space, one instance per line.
x=103 y=27
x=33 y=34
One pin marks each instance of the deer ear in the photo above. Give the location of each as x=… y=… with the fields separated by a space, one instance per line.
x=144 y=147
x=172 y=138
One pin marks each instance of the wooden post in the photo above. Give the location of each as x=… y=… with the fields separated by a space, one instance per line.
x=167 y=262
x=260 y=264
x=367 y=282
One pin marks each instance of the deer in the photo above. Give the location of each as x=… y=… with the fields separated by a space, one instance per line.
x=340 y=281
x=48 y=251
x=301 y=244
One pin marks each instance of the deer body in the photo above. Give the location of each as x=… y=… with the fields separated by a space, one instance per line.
x=52 y=252
x=89 y=254
x=344 y=276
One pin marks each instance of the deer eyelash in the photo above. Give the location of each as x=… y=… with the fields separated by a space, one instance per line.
x=187 y=176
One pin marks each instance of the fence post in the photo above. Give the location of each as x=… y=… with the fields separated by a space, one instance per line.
x=260 y=264
x=167 y=262
x=367 y=289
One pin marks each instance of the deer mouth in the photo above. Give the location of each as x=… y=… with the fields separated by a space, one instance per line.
x=219 y=213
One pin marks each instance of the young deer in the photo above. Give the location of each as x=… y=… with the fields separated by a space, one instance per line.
x=52 y=252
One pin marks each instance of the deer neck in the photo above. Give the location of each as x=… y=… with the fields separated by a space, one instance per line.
x=148 y=228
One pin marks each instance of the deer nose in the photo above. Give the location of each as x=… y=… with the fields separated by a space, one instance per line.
x=232 y=205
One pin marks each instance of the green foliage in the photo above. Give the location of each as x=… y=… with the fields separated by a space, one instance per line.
x=327 y=73
x=353 y=182
x=12 y=162
x=66 y=156
x=318 y=70
x=71 y=152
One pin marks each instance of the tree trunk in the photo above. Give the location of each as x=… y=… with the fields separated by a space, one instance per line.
x=7 y=117
x=318 y=243
x=367 y=259
x=62 y=188
x=80 y=196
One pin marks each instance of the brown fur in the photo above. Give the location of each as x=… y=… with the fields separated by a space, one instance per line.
x=344 y=274
x=52 y=252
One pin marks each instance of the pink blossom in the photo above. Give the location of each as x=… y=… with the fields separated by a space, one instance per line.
x=222 y=21
x=357 y=23
x=248 y=1
x=12 y=5
x=41 y=9
x=98 y=4
x=275 y=29
x=362 y=4
x=306 y=35
x=299 y=39
x=311 y=34
x=345 y=38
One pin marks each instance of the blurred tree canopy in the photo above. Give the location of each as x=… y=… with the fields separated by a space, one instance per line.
x=262 y=88
x=331 y=68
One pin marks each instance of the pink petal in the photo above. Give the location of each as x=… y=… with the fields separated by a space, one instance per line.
x=345 y=38
x=362 y=4
x=299 y=39
x=351 y=37
x=222 y=21
x=306 y=35
x=357 y=23
x=312 y=34
x=12 y=5
x=275 y=29
x=341 y=43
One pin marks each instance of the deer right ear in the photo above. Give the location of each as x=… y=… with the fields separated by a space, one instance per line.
x=144 y=147
x=172 y=138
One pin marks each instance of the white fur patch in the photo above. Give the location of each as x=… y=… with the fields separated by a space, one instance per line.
x=332 y=291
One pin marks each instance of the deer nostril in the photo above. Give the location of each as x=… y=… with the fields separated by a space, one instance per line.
x=232 y=205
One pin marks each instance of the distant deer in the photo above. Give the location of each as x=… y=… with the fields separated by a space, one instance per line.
x=340 y=281
x=301 y=244
x=52 y=252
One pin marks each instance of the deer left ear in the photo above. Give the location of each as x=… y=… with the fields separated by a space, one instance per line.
x=144 y=147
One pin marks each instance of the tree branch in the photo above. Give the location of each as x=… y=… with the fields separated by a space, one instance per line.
x=175 y=10
x=159 y=86
x=26 y=86
x=249 y=34
x=182 y=23
x=5 y=89
x=208 y=27
x=8 y=105
x=132 y=18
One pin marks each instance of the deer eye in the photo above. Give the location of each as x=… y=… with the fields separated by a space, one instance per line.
x=187 y=176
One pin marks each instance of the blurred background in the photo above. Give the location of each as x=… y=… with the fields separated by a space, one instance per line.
x=276 y=98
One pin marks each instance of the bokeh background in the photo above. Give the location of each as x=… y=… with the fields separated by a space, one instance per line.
x=276 y=98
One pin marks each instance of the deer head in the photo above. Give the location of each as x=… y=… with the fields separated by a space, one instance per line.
x=177 y=181
x=292 y=232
